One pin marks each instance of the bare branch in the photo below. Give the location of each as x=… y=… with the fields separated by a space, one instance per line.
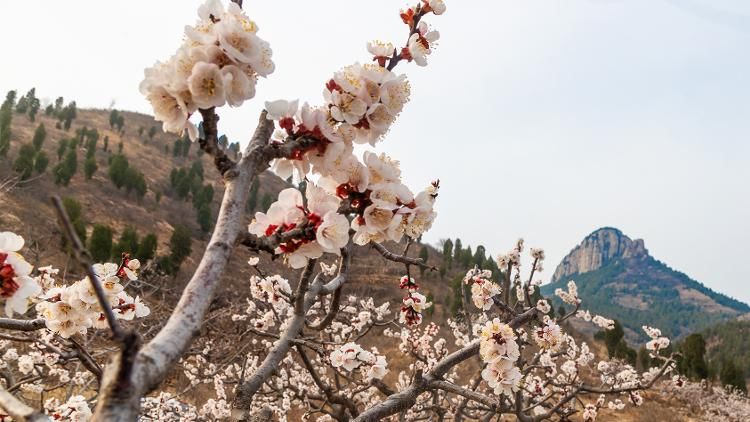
x=210 y=141
x=18 y=409
x=401 y=258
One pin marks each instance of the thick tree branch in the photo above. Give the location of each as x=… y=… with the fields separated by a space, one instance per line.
x=156 y=359
x=210 y=141
x=22 y=324
x=18 y=409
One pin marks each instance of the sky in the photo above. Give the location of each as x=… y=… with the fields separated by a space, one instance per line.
x=543 y=119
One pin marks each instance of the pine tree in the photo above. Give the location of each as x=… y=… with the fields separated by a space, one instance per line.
x=39 y=135
x=105 y=147
x=732 y=376
x=24 y=164
x=180 y=246
x=118 y=167
x=62 y=146
x=75 y=212
x=90 y=167
x=41 y=161
x=100 y=244
x=65 y=170
x=147 y=248
x=448 y=253
x=692 y=363
x=457 y=251
x=424 y=255
x=127 y=243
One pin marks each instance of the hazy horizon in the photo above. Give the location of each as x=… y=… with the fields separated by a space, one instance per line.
x=543 y=120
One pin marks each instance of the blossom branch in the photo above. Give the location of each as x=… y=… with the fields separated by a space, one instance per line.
x=84 y=259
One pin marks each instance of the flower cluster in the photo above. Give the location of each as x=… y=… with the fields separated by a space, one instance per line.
x=16 y=284
x=482 y=288
x=270 y=289
x=361 y=103
x=548 y=335
x=571 y=296
x=351 y=356
x=218 y=64
x=657 y=342
x=318 y=226
x=72 y=309
x=499 y=350
x=413 y=303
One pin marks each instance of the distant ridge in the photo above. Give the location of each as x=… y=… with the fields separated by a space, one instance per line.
x=617 y=277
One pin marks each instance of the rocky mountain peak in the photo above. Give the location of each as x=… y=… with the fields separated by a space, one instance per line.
x=599 y=249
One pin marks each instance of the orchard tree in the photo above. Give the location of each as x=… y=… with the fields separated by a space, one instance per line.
x=306 y=355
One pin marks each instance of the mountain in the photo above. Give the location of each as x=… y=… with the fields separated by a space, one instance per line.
x=618 y=278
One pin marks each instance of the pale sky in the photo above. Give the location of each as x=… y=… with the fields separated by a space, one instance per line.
x=544 y=119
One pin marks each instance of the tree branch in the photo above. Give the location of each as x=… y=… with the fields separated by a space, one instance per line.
x=22 y=324
x=18 y=409
x=401 y=258
x=210 y=141
x=84 y=259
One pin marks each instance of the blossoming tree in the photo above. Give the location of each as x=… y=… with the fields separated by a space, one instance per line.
x=306 y=359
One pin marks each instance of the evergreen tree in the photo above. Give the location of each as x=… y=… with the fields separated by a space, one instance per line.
x=424 y=255
x=151 y=133
x=65 y=170
x=448 y=253
x=127 y=243
x=147 y=248
x=106 y=144
x=90 y=167
x=58 y=106
x=457 y=250
x=75 y=212
x=479 y=257
x=100 y=244
x=692 y=363
x=204 y=218
x=613 y=337
x=180 y=246
x=6 y=116
x=732 y=376
x=61 y=148
x=39 y=135
x=118 y=167
x=24 y=164
x=41 y=161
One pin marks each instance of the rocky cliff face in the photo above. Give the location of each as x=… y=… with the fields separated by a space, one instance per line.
x=617 y=278
x=597 y=250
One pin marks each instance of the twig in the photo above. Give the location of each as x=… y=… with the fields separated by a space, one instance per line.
x=84 y=258
x=401 y=258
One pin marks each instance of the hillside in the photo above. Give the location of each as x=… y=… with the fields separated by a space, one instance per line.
x=617 y=277
x=729 y=341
